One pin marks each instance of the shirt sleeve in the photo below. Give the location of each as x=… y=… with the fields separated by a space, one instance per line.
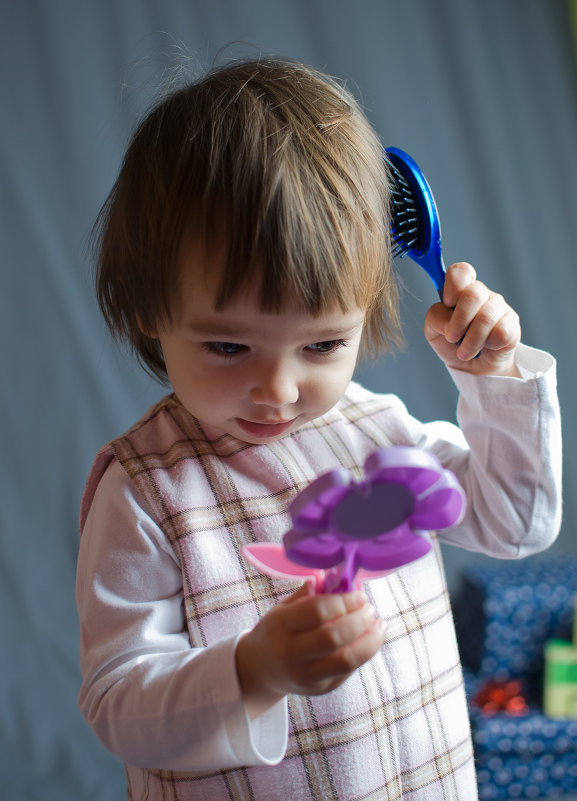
x=152 y=700
x=506 y=452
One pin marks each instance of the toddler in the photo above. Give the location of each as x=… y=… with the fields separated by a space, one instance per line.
x=244 y=255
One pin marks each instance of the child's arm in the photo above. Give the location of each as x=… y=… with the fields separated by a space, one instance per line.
x=473 y=320
x=307 y=645
x=154 y=700
x=151 y=698
x=507 y=455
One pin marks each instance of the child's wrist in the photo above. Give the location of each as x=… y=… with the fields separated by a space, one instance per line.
x=256 y=696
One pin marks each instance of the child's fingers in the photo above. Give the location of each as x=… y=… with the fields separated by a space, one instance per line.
x=495 y=327
x=306 y=645
x=336 y=634
x=335 y=668
x=302 y=592
x=478 y=316
x=459 y=276
x=507 y=333
x=304 y=612
x=474 y=329
x=475 y=304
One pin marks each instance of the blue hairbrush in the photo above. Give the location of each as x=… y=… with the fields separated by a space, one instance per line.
x=415 y=225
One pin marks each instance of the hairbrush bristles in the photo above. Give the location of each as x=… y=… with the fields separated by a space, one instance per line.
x=415 y=227
x=405 y=227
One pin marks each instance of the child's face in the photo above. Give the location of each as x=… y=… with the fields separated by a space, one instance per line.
x=251 y=374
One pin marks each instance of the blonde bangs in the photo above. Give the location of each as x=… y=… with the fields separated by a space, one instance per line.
x=312 y=227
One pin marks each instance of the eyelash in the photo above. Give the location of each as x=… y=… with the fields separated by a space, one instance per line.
x=333 y=346
x=228 y=350
x=225 y=349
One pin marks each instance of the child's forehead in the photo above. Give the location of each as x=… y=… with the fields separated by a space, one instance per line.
x=211 y=280
x=243 y=320
x=203 y=268
x=201 y=273
x=201 y=262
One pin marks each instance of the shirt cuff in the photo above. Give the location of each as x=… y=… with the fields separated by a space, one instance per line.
x=536 y=367
x=262 y=741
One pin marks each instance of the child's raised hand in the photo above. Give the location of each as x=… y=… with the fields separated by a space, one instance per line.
x=308 y=645
x=473 y=320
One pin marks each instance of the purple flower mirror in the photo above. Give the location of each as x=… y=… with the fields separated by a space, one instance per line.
x=345 y=531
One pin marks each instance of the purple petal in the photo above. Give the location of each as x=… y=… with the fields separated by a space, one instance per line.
x=313 y=506
x=312 y=552
x=392 y=550
x=441 y=509
x=418 y=470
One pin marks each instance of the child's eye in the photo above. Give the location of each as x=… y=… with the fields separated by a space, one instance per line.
x=224 y=348
x=330 y=346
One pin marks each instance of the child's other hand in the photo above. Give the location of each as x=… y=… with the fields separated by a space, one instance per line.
x=482 y=319
x=308 y=645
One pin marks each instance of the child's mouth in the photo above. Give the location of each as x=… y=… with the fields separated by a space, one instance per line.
x=264 y=429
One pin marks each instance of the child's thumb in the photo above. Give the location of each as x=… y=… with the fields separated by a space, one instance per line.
x=306 y=589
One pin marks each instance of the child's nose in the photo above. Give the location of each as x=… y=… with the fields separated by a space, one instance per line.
x=275 y=386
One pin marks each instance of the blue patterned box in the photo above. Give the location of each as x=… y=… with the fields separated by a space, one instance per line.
x=507 y=611
x=505 y=615
x=524 y=757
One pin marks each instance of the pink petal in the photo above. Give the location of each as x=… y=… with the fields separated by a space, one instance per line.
x=272 y=560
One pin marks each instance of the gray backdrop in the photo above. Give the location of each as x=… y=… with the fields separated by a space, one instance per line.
x=480 y=92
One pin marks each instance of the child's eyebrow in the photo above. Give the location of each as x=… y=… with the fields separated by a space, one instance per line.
x=218 y=329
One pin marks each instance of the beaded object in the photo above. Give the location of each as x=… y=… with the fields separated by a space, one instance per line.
x=506 y=615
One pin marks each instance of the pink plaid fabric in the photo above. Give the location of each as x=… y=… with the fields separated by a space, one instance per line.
x=398 y=728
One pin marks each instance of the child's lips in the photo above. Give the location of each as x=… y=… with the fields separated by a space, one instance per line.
x=264 y=429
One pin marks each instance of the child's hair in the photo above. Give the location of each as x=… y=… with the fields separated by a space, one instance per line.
x=275 y=161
